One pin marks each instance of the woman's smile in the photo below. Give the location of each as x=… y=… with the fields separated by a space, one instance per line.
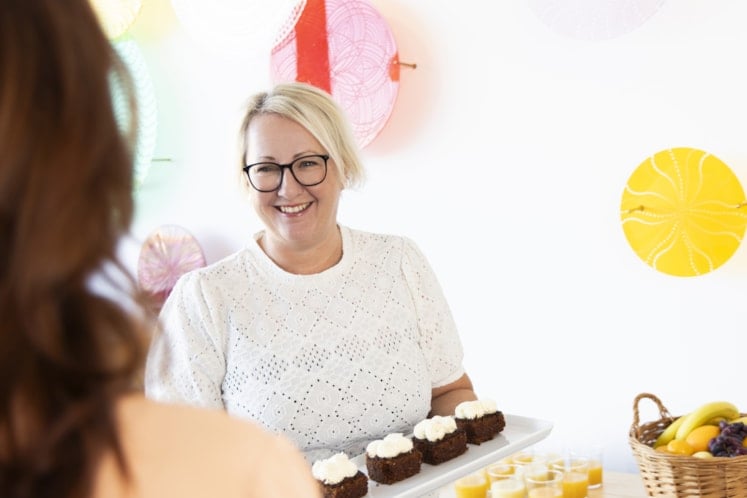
x=294 y=209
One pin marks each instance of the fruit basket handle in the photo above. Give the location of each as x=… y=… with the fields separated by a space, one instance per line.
x=662 y=409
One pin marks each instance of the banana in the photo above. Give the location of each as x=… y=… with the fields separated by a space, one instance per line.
x=669 y=432
x=705 y=413
x=716 y=421
x=740 y=419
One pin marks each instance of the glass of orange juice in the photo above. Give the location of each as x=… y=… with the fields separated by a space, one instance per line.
x=546 y=458
x=575 y=476
x=594 y=453
x=499 y=471
x=544 y=483
x=523 y=457
x=472 y=486
x=511 y=486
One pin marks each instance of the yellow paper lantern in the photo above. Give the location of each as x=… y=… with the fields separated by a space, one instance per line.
x=116 y=16
x=683 y=212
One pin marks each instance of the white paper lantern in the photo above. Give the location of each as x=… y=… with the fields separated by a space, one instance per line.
x=238 y=25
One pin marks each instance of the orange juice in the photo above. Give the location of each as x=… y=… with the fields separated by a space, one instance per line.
x=472 y=486
x=522 y=457
x=500 y=471
x=595 y=473
x=575 y=484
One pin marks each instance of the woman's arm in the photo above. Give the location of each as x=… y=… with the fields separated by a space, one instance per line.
x=186 y=361
x=445 y=398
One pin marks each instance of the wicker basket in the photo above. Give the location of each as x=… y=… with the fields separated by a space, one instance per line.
x=682 y=476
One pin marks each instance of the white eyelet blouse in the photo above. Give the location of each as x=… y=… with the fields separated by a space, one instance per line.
x=332 y=360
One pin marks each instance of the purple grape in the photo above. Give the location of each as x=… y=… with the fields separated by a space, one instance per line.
x=729 y=442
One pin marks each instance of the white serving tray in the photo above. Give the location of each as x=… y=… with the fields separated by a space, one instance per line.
x=519 y=433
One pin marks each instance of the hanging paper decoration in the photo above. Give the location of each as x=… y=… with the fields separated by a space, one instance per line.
x=116 y=16
x=237 y=26
x=346 y=48
x=683 y=212
x=147 y=118
x=594 y=19
x=168 y=252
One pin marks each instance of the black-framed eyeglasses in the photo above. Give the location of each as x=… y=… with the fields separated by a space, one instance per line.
x=307 y=170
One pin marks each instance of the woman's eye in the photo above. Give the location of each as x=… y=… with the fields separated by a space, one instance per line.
x=266 y=169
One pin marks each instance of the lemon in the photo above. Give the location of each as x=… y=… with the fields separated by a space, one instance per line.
x=680 y=447
x=700 y=437
x=702 y=454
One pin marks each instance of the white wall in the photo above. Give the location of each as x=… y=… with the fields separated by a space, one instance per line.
x=505 y=159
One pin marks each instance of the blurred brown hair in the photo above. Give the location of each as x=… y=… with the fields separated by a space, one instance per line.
x=67 y=348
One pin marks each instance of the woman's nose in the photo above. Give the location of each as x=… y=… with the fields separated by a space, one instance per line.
x=289 y=187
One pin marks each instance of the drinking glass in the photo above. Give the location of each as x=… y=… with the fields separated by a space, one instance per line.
x=544 y=483
x=575 y=476
x=510 y=486
x=472 y=486
x=499 y=471
x=595 y=454
x=523 y=457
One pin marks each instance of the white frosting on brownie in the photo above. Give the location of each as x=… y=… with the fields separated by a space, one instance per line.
x=475 y=409
x=334 y=469
x=435 y=428
x=392 y=445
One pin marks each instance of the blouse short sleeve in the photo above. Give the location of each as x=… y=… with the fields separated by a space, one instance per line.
x=439 y=338
x=186 y=362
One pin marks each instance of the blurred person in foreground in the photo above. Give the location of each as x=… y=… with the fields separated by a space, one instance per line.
x=330 y=335
x=72 y=424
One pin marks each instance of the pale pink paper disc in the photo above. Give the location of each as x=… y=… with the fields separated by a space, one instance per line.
x=594 y=19
x=167 y=253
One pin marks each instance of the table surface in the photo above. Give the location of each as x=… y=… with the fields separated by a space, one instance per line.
x=620 y=485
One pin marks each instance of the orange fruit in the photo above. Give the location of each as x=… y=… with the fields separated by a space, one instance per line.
x=680 y=447
x=700 y=437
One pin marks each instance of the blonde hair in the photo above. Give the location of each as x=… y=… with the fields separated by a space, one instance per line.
x=315 y=110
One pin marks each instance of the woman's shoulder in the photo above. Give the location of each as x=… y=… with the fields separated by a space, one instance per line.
x=222 y=455
x=145 y=415
x=225 y=265
x=384 y=244
x=216 y=275
x=211 y=430
x=365 y=237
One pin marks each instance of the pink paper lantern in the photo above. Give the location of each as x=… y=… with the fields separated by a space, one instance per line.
x=346 y=48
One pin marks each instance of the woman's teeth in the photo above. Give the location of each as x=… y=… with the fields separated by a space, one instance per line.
x=294 y=209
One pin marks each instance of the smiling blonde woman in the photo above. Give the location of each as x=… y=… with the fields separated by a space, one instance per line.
x=330 y=335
